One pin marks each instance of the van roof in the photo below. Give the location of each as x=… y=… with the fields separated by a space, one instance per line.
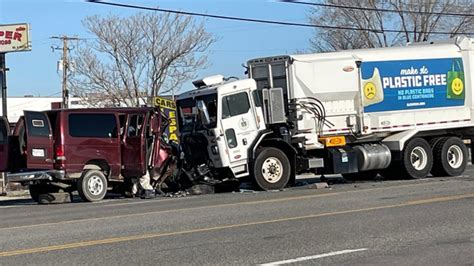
x=105 y=110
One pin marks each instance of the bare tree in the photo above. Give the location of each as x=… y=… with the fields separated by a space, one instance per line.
x=374 y=25
x=132 y=59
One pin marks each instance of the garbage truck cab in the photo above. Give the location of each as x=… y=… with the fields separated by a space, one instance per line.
x=218 y=123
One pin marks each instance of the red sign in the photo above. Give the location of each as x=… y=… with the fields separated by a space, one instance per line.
x=14 y=38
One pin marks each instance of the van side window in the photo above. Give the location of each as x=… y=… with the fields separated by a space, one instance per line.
x=122 y=124
x=93 y=125
x=135 y=124
x=235 y=104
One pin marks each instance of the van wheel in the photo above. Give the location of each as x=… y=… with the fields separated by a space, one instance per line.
x=450 y=157
x=92 y=186
x=271 y=169
x=39 y=189
x=417 y=159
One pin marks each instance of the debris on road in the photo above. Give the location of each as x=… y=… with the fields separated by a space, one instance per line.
x=55 y=198
x=319 y=185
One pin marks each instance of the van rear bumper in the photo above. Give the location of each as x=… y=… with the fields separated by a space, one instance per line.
x=36 y=175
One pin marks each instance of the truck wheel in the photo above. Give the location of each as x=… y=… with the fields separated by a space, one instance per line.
x=39 y=189
x=364 y=175
x=417 y=159
x=271 y=169
x=92 y=186
x=434 y=141
x=450 y=157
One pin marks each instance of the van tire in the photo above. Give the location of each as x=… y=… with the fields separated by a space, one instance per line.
x=92 y=186
x=417 y=159
x=271 y=169
x=39 y=189
x=450 y=157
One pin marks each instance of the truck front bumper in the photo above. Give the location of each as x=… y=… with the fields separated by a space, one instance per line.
x=36 y=175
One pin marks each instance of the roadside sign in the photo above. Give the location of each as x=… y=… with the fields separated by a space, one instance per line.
x=168 y=107
x=14 y=38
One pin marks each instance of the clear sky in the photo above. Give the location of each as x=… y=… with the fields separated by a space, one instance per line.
x=35 y=72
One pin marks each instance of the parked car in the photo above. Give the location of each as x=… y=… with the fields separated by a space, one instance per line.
x=88 y=150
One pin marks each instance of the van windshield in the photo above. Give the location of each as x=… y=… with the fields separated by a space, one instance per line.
x=191 y=118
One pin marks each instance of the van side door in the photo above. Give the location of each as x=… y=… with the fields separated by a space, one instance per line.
x=39 y=141
x=4 y=134
x=161 y=149
x=133 y=145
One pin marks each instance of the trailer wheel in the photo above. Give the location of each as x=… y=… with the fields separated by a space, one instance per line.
x=92 y=186
x=271 y=169
x=39 y=189
x=417 y=159
x=364 y=175
x=450 y=157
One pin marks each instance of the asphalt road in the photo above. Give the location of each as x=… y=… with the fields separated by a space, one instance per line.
x=416 y=222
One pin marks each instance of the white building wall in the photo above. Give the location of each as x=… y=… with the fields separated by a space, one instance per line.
x=16 y=105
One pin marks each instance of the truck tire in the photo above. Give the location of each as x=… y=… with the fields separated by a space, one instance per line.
x=92 y=186
x=271 y=169
x=364 y=175
x=434 y=141
x=417 y=159
x=450 y=157
x=39 y=189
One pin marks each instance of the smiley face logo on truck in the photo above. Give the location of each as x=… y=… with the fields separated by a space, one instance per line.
x=369 y=90
x=457 y=86
x=372 y=89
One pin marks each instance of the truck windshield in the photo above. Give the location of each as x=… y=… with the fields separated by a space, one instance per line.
x=191 y=118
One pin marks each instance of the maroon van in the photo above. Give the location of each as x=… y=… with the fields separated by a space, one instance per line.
x=88 y=150
x=4 y=132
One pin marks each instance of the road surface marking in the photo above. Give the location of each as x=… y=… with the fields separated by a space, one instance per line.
x=222 y=227
x=300 y=259
x=9 y=207
x=210 y=206
x=438 y=199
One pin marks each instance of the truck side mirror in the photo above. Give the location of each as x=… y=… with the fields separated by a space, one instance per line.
x=202 y=107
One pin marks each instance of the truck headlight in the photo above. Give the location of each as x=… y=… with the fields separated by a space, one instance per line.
x=214 y=149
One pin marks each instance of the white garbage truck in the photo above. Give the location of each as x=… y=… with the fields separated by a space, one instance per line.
x=401 y=112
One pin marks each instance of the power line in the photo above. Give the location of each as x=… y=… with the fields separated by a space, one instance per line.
x=218 y=16
x=283 y=23
x=379 y=9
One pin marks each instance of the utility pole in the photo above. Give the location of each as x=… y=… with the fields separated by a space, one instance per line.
x=3 y=81
x=65 y=63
